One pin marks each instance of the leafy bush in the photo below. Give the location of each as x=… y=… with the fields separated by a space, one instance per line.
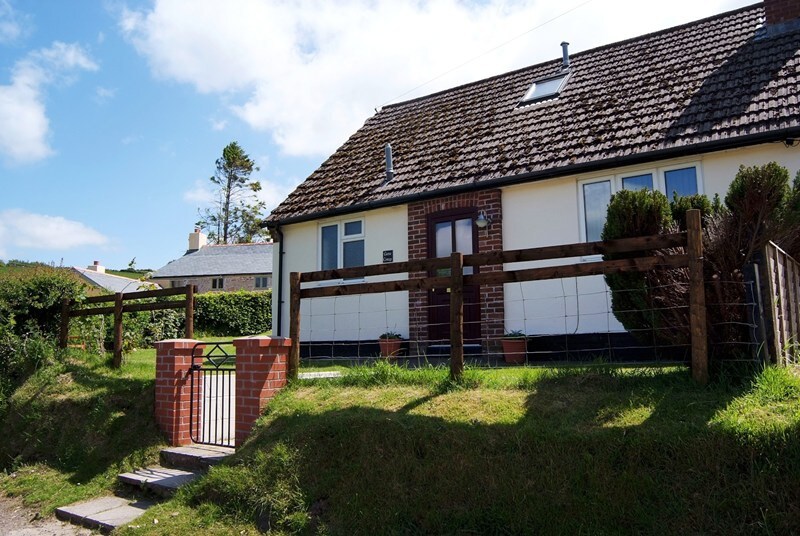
x=759 y=206
x=32 y=298
x=233 y=313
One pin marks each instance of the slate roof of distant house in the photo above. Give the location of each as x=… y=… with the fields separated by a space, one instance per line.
x=703 y=86
x=112 y=283
x=235 y=259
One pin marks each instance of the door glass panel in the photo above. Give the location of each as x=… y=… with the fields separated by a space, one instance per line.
x=444 y=243
x=464 y=239
x=444 y=239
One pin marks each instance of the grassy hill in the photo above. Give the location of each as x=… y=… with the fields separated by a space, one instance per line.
x=389 y=451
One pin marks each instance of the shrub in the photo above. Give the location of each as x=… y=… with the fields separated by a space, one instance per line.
x=759 y=207
x=32 y=298
x=233 y=313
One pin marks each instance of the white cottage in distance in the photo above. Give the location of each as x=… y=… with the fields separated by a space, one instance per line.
x=219 y=268
x=536 y=154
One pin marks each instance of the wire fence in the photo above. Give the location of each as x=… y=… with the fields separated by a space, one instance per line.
x=572 y=321
x=527 y=306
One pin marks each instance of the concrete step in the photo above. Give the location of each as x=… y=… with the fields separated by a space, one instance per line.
x=194 y=456
x=104 y=514
x=160 y=480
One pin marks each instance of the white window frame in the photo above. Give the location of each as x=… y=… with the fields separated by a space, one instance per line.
x=659 y=183
x=341 y=239
x=264 y=277
x=215 y=286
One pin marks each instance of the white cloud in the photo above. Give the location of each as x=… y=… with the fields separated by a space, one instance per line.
x=273 y=192
x=201 y=193
x=24 y=136
x=19 y=228
x=104 y=94
x=311 y=72
x=10 y=25
x=218 y=124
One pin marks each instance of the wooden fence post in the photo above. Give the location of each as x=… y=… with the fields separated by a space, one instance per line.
x=456 y=315
x=697 y=297
x=63 y=334
x=294 y=325
x=117 y=362
x=190 y=290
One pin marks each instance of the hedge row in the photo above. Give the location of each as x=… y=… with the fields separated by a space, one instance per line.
x=233 y=313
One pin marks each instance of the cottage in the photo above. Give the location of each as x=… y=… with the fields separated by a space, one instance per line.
x=220 y=268
x=530 y=158
x=96 y=277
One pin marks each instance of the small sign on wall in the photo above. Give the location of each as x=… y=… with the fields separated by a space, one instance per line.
x=388 y=255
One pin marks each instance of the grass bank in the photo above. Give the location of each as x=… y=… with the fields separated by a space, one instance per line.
x=74 y=425
x=389 y=451
x=393 y=451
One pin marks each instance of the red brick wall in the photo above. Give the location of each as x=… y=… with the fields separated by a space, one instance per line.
x=489 y=239
x=173 y=361
x=260 y=373
x=778 y=11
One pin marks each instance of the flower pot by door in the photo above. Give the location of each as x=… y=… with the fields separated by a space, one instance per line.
x=390 y=347
x=514 y=350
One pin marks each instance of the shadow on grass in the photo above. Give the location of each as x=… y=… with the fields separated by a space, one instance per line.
x=82 y=419
x=588 y=453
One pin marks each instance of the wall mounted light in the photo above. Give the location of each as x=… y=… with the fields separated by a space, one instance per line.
x=482 y=221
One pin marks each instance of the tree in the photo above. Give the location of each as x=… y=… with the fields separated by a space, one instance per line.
x=235 y=215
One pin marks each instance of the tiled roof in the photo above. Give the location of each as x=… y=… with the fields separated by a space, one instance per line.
x=702 y=86
x=236 y=259
x=112 y=283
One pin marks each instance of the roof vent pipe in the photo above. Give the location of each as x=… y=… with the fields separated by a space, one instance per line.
x=389 y=166
x=565 y=51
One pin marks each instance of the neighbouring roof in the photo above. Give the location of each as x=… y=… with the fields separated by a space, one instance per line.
x=703 y=86
x=235 y=259
x=112 y=283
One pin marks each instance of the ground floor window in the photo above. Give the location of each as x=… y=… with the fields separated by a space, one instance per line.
x=217 y=283
x=263 y=281
x=342 y=244
x=595 y=194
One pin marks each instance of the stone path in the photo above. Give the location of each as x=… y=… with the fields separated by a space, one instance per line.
x=17 y=520
x=180 y=465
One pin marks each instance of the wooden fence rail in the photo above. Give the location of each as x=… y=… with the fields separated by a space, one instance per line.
x=782 y=303
x=692 y=259
x=68 y=311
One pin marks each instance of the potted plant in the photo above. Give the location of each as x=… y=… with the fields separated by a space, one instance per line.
x=515 y=347
x=390 y=343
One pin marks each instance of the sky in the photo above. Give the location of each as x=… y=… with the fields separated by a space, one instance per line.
x=112 y=113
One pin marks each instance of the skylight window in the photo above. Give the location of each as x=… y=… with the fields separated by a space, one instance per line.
x=546 y=88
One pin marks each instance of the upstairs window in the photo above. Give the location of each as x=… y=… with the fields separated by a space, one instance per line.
x=545 y=88
x=342 y=245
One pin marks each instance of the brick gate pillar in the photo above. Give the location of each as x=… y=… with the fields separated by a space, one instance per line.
x=260 y=373
x=173 y=388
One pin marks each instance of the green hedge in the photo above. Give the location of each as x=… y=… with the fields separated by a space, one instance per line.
x=233 y=313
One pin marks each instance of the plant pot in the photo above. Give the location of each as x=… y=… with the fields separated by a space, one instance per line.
x=390 y=347
x=515 y=350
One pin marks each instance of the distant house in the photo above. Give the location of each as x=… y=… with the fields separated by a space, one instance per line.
x=219 y=268
x=531 y=158
x=96 y=276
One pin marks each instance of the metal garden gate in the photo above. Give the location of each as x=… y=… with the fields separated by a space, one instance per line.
x=212 y=406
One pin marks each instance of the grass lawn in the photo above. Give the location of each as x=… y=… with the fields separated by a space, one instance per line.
x=386 y=450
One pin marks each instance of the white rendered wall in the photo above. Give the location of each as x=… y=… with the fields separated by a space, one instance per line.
x=347 y=318
x=548 y=213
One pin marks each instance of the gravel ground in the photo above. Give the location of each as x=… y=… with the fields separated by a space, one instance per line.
x=16 y=520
